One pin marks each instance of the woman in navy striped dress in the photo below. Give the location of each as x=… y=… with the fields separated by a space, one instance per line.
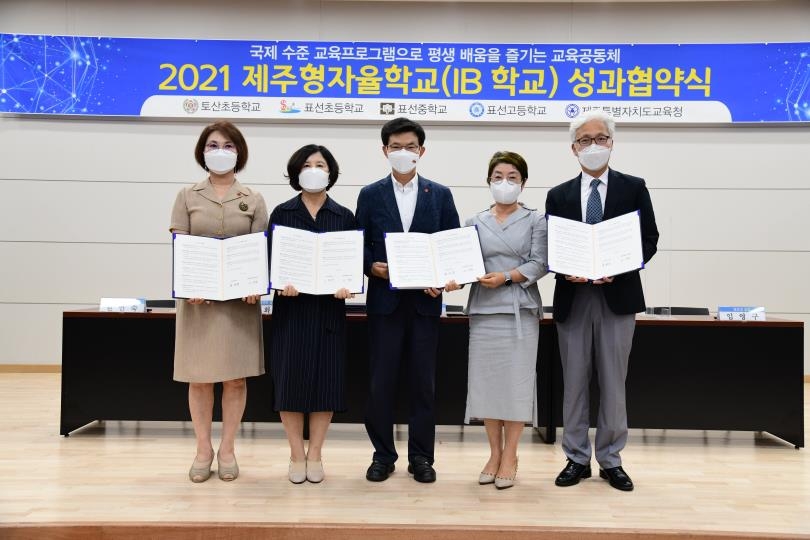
x=308 y=331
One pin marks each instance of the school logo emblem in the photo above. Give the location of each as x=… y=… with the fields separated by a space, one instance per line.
x=477 y=109
x=287 y=108
x=191 y=106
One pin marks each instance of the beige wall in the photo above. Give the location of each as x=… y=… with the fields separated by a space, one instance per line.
x=85 y=204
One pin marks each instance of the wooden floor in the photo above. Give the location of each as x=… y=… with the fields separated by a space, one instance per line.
x=129 y=480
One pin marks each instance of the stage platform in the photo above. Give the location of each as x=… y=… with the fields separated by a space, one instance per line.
x=129 y=480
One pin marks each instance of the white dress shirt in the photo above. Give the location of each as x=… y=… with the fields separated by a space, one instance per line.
x=585 y=190
x=406 y=199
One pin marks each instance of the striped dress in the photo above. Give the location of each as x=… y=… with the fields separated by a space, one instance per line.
x=308 y=336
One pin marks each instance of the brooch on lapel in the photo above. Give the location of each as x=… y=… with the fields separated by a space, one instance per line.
x=243 y=206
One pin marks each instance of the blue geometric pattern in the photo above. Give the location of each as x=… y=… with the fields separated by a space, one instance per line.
x=798 y=91
x=593 y=210
x=48 y=74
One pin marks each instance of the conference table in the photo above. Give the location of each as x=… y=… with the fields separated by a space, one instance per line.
x=686 y=372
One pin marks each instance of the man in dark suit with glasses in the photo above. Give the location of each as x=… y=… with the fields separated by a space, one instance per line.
x=595 y=320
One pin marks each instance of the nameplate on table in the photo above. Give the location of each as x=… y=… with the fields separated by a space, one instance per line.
x=122 y=305
x=741 y=313
x=267 y=305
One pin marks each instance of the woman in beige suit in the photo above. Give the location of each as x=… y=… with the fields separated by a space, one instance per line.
x=218 y=341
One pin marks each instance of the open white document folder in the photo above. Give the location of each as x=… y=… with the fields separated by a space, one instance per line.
x=220 y=269
x=420 y=260
x=316 y=263
x=604 y=249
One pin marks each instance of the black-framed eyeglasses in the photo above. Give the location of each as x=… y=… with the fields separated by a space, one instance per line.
x=601 y=140
x=414 y=148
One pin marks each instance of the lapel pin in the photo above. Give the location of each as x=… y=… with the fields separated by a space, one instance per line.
x=426 y=190
x=243 y=206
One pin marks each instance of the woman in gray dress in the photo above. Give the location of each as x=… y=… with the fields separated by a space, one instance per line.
x=218 y=341
x=504 y=308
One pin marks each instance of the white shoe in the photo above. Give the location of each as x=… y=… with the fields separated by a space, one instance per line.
x=503 y=482
x=298 y=472
x=486 y=478
x=315 y=471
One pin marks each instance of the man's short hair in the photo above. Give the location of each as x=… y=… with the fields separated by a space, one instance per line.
x=602 y=116
x=402 y=125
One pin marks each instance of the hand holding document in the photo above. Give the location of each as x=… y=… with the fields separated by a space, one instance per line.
x=607 y=248
x=316 y=263
x=216 y=269
x=422 y=261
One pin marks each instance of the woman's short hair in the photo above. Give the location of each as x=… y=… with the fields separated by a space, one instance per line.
x=512 y=158
x=232 y=133
x=601 y=116
x=300 y=157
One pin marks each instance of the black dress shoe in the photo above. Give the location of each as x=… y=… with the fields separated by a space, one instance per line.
x=617 y=478
x=379 y=471
x=572 y=473
x=422 y=471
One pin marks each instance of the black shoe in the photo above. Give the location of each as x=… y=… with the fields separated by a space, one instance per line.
x=572 y=474
x=379 y=471
x=422 y=471
x=617 y=478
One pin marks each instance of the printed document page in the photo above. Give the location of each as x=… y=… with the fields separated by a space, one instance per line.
x=458 y=255
x=340 y=261
x=617 y=244
x=245 y=262
x=419 y=260
x=316 y=263
x=197 y=268
x=605 y=249
x=410 y=260
x=217 y=269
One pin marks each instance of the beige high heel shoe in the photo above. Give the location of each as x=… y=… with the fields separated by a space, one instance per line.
x=486 y=478
x=315 y=471
x=297 y=472
x=200 y=471
x=503 y=482
x=227 y=472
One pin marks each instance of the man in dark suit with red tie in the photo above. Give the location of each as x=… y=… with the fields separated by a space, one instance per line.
x=595 y=320
x=403 y=325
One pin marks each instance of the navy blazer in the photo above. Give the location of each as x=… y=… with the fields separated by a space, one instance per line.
x=625 y=194
x=377 y=213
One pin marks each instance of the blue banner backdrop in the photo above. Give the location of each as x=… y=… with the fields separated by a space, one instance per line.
x=694 y=83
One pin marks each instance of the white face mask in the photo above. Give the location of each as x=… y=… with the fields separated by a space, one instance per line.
x=313 y=179
x=403 y=161
x=594 y=157
x=220 y=161
x=505 y=193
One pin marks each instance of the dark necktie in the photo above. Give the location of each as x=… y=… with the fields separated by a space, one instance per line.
x=593 y=210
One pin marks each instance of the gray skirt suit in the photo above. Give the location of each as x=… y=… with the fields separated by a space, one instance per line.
x=504 y=322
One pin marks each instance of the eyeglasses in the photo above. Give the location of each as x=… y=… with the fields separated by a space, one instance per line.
x=512 y=180
x=413 y=148
x=228 y=147
x=601 y=140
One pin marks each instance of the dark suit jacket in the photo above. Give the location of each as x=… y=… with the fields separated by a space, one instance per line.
x=625 y=194
x=377 y=214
